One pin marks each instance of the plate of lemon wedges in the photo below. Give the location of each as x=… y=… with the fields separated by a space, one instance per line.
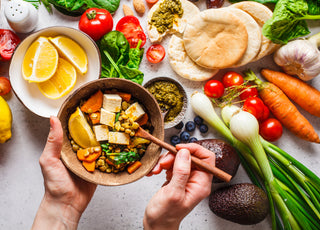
x=50 y=64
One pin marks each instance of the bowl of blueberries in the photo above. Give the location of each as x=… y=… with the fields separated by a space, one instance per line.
x=186 y=130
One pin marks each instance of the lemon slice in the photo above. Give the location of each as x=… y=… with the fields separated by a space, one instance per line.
x=72 y=51
x=61 y=83
x=80 y=130
x=40 y=61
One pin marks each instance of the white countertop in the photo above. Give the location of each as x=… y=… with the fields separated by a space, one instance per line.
x=120 y=207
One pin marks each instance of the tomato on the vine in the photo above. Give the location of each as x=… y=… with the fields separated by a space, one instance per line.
x=96 y=22
x=132 y=30
x=255 y=106
x=155 y=53
x=214 y=88
x=232 y=78
x=249 y=91
x=271 y=129
x=5 y=86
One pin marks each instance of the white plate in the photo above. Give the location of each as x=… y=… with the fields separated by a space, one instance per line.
x=29 y=93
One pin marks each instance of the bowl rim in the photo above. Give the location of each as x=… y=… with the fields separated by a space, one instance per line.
x=87 y=175
x=181 y=115
x=39 y=32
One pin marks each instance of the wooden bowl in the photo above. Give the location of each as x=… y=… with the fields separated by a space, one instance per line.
x=153 y=151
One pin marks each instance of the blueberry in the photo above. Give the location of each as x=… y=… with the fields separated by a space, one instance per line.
x=184 y=136
x=198 y=120
x=192 y=139
x=180 y=125
x=175 y=140
x=203 y=128
x=190 y=126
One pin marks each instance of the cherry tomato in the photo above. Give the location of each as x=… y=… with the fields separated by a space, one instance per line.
x=248 y=92
x=156 y=53
x=214 y=88
x=96 y=22
x=271 y=129
x=5 y=86
x=256 y=104
x=266 y=113
x=231 y=78
x=151 y=1
x=8 y=43
x=132 y=30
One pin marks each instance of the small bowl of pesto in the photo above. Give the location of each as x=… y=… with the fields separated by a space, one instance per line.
x=171 y=97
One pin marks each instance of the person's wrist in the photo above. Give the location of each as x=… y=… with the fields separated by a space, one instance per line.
x=56 y=214
x=157 y=224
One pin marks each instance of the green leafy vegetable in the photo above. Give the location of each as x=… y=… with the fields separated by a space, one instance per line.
x=77 y=7
x=118 y=59
x=123 y=157
x=35 y=3
x=288 y=20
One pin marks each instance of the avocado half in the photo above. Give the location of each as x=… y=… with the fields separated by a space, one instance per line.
x=244 y=203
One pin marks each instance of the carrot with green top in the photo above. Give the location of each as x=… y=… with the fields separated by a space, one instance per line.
x=284 y=110
x=300 y=92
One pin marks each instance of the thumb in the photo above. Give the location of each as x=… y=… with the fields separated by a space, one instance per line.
x=54 y=142
x=181 y=170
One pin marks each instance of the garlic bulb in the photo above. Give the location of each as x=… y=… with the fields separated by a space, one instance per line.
x=299 y=57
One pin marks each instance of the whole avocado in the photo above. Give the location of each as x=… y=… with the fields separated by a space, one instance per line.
x=240 y=203
x=227 y=158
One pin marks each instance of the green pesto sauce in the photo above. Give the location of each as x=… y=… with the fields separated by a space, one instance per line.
x=168 y=96
x=167 y=13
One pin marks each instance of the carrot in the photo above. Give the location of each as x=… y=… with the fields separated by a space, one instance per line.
x=133 y=167
x=143 y=120
x=125 y=96
x=300 y=92
x=283 y=109
x=95 y=118
x=93 y=104
x=82 y=155
x=90 y=166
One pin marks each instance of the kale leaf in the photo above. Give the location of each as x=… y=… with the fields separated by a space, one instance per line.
x=118 y=59
x=288 y=20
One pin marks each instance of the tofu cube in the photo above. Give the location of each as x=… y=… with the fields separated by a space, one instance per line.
x=101 y=132
x=112 y=102
x=107 y=118
x=119 y=138
x=135 y=111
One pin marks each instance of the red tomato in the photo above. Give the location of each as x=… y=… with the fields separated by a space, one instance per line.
x=257 y=104
x=151 y=1
x=248 y=92
x=96 y=22
x=8 y=43
x=214 y=88
x=271 y=129
x=231 y=78
x=132 y=30
x=156 y=53
x=5 y=86
x=266 y=113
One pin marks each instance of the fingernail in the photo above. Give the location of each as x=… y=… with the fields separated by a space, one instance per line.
x=184 y=154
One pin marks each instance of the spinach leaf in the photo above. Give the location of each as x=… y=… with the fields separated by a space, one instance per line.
x=77 y=7
x=313 y=7
x=118 y=60
x=288 y=21
x=123 y=157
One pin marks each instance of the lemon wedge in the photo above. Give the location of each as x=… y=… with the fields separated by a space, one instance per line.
x=40 y=61
x=80 y=130
x=72 y=51
x=61 y=83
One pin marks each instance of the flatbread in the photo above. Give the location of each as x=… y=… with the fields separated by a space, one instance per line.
x=254 y=36
x=189 y=10
x=183 y=65
x=215 y=39
x=260 y=14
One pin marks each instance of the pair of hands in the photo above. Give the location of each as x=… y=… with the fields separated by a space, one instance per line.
x=67 y=196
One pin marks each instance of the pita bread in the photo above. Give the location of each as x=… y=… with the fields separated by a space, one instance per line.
x=215 y=39
x=254 y=36
x=183 y=65
x=189 y=9
x=260 y=14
